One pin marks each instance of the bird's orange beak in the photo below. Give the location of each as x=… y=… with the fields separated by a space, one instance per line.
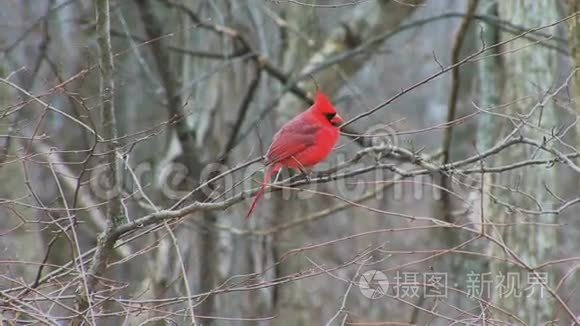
x=336 y=120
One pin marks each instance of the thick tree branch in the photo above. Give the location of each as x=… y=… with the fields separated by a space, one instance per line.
x=452 y=106
x=242 y=111
x=109 y=132
x=154 y=30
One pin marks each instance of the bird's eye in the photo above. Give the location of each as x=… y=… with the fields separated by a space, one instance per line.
x=329 y=116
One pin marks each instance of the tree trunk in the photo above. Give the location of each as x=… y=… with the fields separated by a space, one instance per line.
x=574 y=37
x=530 y=71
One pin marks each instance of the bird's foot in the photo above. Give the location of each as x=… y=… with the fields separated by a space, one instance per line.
x=306 y=174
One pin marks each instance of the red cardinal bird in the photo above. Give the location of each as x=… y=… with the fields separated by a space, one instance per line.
x=302 y=142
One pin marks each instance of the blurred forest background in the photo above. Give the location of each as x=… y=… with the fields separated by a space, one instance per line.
x=130 y=138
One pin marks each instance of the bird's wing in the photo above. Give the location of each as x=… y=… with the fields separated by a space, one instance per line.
x=292 y=139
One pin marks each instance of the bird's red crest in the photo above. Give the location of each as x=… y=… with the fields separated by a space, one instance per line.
x=324 y=111
x=322 y=103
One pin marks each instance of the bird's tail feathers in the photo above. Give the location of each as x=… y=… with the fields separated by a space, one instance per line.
x=270 y=172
